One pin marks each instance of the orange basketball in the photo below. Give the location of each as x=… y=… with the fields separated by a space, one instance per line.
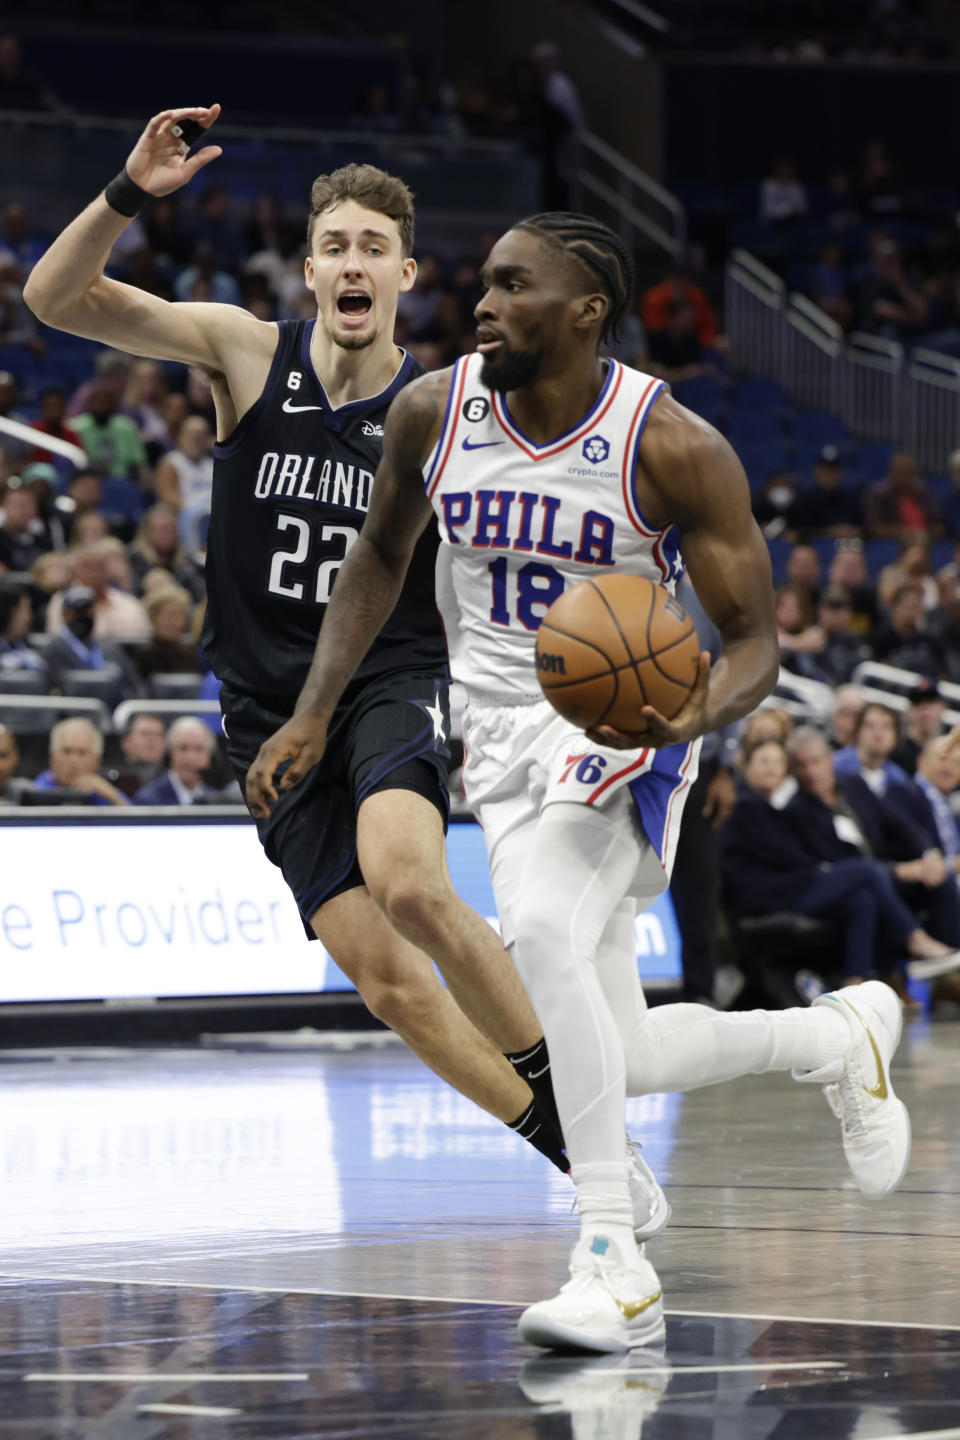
x=609 y=646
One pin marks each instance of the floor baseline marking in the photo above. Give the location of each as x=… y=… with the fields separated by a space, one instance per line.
x=208 y=1410
x=160 y=1377
x=464 y=1300
x=730 y=1369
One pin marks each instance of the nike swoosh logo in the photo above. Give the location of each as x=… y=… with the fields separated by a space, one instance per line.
x=535 y=1074
x=478 y=445
x=294 y=409
x=631 y=1309
x=878 y=1091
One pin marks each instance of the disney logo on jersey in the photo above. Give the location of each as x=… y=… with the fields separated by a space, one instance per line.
x=372 y=429
x=596 y=449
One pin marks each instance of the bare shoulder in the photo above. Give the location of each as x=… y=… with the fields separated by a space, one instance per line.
x=686 y=470
x=229 y=325
x=416 y=415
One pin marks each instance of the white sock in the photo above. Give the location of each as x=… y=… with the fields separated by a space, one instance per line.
x=682 y=1047
x=606 y=1212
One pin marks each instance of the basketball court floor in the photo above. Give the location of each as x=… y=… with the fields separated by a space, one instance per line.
x=321 y=1239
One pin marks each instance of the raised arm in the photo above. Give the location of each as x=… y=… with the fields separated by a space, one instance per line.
x=366 y=589
x=68 y=289
x=692 y=478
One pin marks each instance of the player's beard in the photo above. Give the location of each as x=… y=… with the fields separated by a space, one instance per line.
x=507 y=370
x=353 y=339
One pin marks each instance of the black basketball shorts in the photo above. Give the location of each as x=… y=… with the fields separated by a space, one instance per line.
x=387 y=734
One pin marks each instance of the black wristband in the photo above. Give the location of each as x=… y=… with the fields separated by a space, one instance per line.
x=125 y=195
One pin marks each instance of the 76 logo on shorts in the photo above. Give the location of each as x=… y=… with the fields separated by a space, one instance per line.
x=588 y=768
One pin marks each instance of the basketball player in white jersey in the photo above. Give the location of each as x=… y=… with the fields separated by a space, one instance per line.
x=545 y=462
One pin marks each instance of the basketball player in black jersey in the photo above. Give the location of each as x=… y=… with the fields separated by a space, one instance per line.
x=300 y=411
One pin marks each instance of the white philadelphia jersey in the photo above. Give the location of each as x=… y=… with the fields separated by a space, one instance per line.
x=519 y=522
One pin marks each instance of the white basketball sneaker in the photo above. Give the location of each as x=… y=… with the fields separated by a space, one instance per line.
x=651 y=1208
x=875 y=1124
x=606 y=1306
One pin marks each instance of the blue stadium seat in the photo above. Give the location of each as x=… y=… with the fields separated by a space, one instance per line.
x=941 y=553
x=754 y=425
x=701 y=391
x=820 y=428
x=123 y=497
x=760 y=458
x=874 y=459
x=880 y=553
x=760 y=237
x=826 y=548
x=759 y=393
x=779 y=555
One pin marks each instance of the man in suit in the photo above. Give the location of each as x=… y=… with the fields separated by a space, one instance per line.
x=74 y=647
x=844 y=820
x=190 y=748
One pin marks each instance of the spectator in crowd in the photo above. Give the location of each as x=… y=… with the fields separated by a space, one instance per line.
x=143 y=402
x=842 y=651
x=938 y=775
x=848 y=705
x=17 y=451
x=170 y=239
x=871 y=747
x=156 y=546
x=924 y=723
x=217 y=230
x=52 y=421
x=21 y=530
x=16 y=618
x=111 y=440
x=190 y=746
x=829 y=507
x=20 y=87
x=898 y=824
x=52 y=572
x=76 y=750
x=89 y=529
x=889 y=304
x=11 y=789
x=18 y=325
x=848 y=571
x=804 y=571
x=43 y=483
x=830 y=285
x=902 y=503
x=166 y=653
x=144 y=745
x=562 y=120
x=771 y=723
x=676 y=295
x=267 y=230
x=800 y=639
x=832 y=829
x=766 y=866
x=782 y=196
x=911 y=568
x=950 y=504
x=881 y=191
x=206 y=280
x=111 y=371
x=905 y=639
x=184 y=477
x=117 y=615
x=773 y=506
x=75 y=647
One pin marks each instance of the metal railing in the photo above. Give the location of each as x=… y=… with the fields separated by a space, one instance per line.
x=637 y=204
x=881 y=392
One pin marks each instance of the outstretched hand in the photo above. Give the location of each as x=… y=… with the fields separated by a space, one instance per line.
x=301 y=741
x=156 y=163
x=656 y=731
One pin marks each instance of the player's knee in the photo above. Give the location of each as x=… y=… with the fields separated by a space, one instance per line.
x=405 y=1003
x=413 y=903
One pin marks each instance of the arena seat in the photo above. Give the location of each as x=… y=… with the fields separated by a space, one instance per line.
x=175 y=686
x=14 y=684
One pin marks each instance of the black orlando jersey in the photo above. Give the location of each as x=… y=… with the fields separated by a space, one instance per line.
x=291 y=488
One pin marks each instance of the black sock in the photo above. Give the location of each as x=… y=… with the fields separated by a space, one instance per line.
x=534 y=1067
x=532 y=1127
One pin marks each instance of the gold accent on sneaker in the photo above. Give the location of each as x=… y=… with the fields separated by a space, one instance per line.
x=878 y=1091
x=630 y=1309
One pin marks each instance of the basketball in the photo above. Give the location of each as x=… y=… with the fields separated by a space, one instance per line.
x=609 y=646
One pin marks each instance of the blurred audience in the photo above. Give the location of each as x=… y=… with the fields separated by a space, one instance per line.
x=190 y=750
x=76 y=749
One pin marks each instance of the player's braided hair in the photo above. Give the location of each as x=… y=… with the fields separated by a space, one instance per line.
x=597 y=247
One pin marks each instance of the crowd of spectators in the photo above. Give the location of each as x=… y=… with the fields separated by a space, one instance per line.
x=854 y=824
x=876 y=252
